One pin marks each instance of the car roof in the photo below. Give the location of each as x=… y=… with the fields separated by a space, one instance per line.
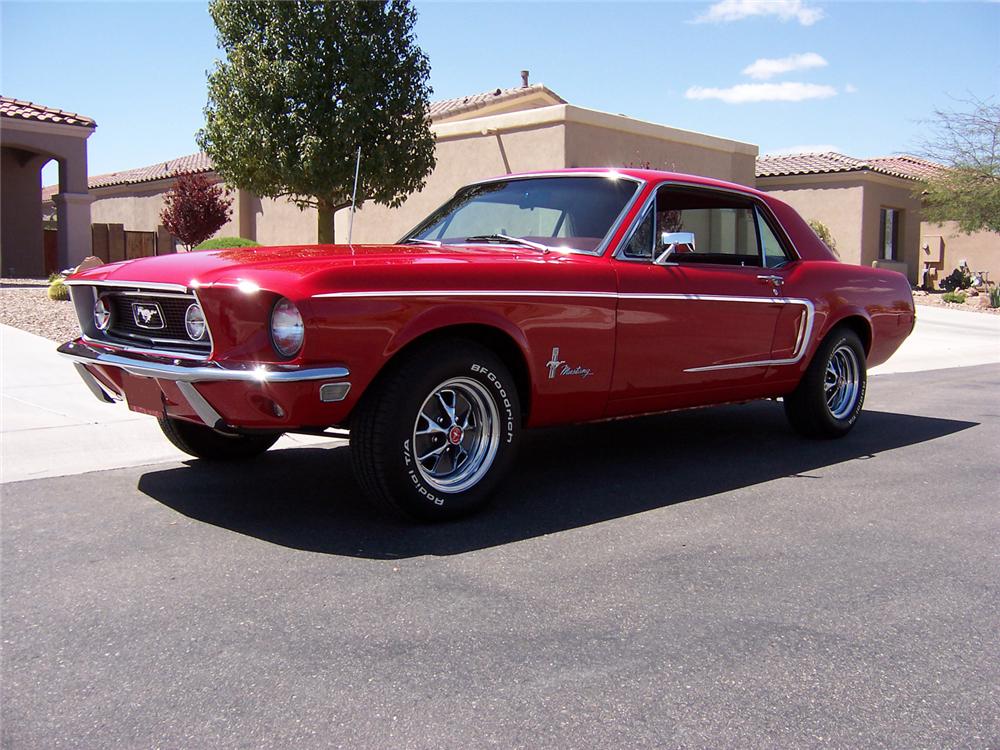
x=653 y=176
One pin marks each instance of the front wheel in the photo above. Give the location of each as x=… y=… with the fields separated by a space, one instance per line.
x=204 y=442
x=433 y=439
x=828 y=400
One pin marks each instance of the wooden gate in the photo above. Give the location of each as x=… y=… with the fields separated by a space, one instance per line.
x=140 y=244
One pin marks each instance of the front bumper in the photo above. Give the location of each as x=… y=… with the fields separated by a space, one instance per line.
x=256 y=397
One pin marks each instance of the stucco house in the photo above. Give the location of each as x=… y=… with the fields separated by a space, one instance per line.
x=874 y=214
x=31 y=135
x=498 y=132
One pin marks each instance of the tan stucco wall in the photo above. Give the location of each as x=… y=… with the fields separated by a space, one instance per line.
x=836 y=203
x=981 y=250
x=850 y=206
x=138 y=207
x=889 y=192
x=461 y=159
x=591 y=146
x=20 y=215
x=28 y=145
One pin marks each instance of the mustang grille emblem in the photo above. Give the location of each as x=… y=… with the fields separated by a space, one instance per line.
x=147 y=315
x=559 y=367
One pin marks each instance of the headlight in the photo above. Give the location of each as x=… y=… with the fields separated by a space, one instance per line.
x=287 y=330
x=102 y=314
x=194 y=322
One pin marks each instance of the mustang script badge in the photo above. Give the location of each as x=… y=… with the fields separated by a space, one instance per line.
x=147 y=315
x=559 y=367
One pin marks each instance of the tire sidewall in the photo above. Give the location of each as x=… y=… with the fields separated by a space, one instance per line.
x=402 y=477
x=839 y=339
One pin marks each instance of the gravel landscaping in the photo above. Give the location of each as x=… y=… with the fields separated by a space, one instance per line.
x=25 y=305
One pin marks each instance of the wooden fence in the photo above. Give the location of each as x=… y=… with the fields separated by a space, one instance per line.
x=112 y=242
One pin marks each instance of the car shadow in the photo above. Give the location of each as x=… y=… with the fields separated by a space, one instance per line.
x=564 y=478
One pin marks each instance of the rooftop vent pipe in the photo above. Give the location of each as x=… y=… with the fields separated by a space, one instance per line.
x=524 y=79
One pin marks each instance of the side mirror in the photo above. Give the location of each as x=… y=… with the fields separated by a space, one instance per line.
x=670 y=241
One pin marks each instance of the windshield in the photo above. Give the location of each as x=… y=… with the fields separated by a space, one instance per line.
x=573 y=213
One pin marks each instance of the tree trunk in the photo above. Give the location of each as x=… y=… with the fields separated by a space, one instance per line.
x=325 y=213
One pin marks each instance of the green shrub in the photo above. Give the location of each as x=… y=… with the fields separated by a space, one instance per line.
x=960 y=278
x=58 y=291
x=957 y=297
x=995 y=296
x=221 y=243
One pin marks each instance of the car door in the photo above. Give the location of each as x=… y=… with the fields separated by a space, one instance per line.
x=698 y=303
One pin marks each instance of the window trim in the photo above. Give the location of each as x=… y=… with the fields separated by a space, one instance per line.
x=605 y=243
x=760 y=210
x=897 y=214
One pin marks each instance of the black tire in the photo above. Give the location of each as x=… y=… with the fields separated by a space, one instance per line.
x=204 y=442
x=828 y=400
x=404 y=416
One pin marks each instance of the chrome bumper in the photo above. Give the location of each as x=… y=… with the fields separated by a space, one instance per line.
x=188 y=372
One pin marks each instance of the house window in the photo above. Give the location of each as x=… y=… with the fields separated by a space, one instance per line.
x=889 y=234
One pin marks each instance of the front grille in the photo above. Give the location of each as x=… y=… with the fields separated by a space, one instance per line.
x=169 y=311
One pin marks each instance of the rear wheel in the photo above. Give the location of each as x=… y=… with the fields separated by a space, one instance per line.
x=204 y=442
x=434 y=438
x=828 y=400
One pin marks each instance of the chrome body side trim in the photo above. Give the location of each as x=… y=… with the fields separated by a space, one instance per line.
x=467 y=293
x=195 y=373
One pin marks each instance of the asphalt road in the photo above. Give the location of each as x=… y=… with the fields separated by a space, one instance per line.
x=702 y=579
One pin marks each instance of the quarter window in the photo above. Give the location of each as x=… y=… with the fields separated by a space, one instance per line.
x=774 y=253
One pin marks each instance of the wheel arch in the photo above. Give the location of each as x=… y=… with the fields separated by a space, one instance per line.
x=858 y=323
x=501 y=342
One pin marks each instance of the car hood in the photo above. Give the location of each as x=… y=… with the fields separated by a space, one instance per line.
x=276 y=267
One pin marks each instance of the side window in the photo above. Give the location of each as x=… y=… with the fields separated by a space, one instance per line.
x=724 y=227
x=774 y=253
x=641 y=244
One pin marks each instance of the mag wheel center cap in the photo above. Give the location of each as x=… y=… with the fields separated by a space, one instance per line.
x=455 y=435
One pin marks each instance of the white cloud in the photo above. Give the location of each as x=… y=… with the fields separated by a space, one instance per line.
x=813 y=148
x=768 y=67
x=725 y=11
x=763 y=92
x=852 y=89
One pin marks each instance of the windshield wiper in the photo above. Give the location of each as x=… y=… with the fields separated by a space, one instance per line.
x=507 y=239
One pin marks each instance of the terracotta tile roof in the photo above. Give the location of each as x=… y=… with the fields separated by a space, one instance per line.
x=193 y=164
x=22 y=110
x=452 y=107
x=907 y=167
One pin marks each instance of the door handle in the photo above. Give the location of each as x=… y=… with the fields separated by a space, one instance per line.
x=776 y=280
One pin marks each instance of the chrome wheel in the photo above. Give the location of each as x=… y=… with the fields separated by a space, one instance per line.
x=842 y=382
x=456 y=435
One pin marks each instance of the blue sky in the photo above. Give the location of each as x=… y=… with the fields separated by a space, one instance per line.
x=784 y=74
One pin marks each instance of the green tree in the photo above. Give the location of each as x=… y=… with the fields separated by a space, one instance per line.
x=968 y=144
x=303 y=85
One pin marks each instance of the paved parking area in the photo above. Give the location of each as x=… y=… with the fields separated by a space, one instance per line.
x=702 y=579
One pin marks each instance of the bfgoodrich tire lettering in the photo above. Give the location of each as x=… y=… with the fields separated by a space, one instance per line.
x=435 y=436
x=828 y=400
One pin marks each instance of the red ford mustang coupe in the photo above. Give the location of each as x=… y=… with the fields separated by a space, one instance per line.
x=526 y=300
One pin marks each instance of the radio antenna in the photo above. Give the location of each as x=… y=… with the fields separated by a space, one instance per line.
x=354 y=197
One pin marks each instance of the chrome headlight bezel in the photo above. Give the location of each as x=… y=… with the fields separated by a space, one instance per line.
x=194 y=322
x=286 y=328
x=102 y=314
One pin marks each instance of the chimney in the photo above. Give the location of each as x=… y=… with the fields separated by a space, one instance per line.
x=524 y=79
